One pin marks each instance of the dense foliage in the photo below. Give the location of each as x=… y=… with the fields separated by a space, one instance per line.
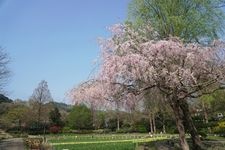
x=80 y=118
x=192 y=20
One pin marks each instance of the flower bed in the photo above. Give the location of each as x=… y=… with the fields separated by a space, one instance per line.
x=34 y=143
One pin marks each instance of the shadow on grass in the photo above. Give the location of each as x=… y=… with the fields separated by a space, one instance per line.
x=173 y=144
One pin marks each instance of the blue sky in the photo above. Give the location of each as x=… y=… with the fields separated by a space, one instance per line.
x=54 y=40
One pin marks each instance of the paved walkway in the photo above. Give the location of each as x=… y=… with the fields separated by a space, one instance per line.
x=12 y=144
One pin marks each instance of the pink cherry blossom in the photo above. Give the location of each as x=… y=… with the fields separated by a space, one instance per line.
x=132 y=62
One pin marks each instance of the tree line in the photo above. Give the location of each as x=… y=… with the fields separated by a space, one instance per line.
x=46 y=116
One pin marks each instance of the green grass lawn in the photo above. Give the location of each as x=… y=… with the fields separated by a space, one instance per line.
x=114 y=141
x=217 y=138
x=93 y=137
x=102 y=146
x=100 y=142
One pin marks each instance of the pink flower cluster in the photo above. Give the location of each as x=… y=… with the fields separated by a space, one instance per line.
x=131 y=62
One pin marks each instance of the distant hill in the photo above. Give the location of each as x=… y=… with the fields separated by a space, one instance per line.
x=62 y=106
x=4 y=99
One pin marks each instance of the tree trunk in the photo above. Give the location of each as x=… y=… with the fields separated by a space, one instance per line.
x=206 y=118
x=153 y=121
x=118 y=115
x=179 y=122
x=94 y=124
x=164 y=126
x=118 y=122
x=197 y=144
x=39 y=114
x=205 y=113
x=44 y=132
x=150 y=122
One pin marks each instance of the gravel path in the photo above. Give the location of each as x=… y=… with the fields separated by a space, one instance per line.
x=12 y=144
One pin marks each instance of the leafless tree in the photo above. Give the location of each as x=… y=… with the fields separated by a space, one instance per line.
x=4 y=71
x=40 y=97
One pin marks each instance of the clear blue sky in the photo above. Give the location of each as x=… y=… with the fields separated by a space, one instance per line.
x=54 y=40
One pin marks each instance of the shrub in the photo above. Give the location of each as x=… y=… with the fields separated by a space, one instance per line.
x=124 y=130
x=203 y=133
x=101 y=131
x=34 y=143
x=220 y=128
x=37 y=128
x=141 y=129
x=66 y=130
x=112 y=124
x=54 y=129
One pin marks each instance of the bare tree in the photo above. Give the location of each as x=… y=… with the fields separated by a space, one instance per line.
x=40 y=97
x=4 y=71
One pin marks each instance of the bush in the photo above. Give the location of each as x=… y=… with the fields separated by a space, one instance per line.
x=55 y=129
x=141 y=129
x=80 y=118
x=66 y=130
x=124 y=130
x=142 y=126
x=37 y=128
x=112 y=124
x=14 y=130
x=101 y=131
x=203 y=133
x=220 y=128
x=82 y=131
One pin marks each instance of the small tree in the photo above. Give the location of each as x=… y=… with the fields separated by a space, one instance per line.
x=55 y=117
x=39 y=98
x=80 y=118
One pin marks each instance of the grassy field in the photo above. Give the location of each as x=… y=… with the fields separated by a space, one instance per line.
x=101 y=142
x=118 y=141
x=217 y=138
x=102 y=146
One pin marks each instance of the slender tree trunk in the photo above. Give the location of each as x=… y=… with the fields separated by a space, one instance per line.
x=197 y=144
x=150 y=122
x=118 y=119
x=20 y=126
x=179 y=122
x=164 y=126
x=118 y=122
x=205 y=113
x=39 y=113
x=44 y=131
x=163 y=116
x=93 y=117
x=153 y=121
x=132 y=119
x=118 y=115
x=206 y=118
